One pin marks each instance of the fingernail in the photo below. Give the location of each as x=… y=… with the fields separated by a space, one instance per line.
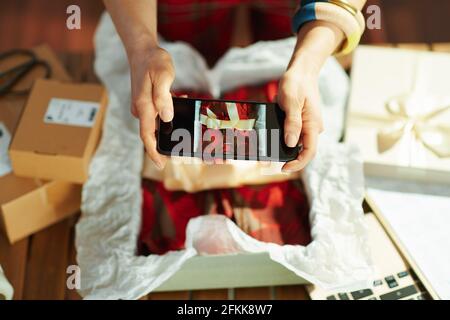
x=166 y=115
x=291 y=140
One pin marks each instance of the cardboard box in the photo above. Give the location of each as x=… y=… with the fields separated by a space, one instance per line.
x=29 y=205
x=58 y=131
x=392 y=113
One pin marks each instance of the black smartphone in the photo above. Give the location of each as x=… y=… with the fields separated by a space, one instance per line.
x=224 y=129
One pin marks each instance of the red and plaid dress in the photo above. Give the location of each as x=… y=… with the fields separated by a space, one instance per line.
x=274 y=212
x=208 y=24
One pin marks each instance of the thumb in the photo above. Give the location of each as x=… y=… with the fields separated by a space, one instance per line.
x=162 y=99
x=293 y=121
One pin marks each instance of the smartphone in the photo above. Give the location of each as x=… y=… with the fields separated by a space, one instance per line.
x=224 y=129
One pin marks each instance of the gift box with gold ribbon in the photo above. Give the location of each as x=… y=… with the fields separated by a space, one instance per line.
x=241 y=118
x=399 y=113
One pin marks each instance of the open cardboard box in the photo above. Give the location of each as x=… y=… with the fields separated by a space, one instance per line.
x=109 y=227
x=29 y=205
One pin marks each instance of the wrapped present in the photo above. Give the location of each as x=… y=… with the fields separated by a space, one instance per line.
x=399 y=113
x=230 y=127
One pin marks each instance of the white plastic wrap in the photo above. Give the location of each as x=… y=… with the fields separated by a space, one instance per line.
x=106 y=235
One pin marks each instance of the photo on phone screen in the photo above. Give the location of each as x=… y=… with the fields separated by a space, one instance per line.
x=221 y=129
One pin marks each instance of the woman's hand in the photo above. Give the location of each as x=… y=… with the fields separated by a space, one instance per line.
x=298 y=92
x=151 y=67
x=299 y=97
x=152 y=74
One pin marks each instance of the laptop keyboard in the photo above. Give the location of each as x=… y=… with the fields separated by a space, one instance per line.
x=388 y=288
x=394 y=278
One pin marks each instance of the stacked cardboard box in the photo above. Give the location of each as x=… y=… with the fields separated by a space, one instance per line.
x=49 y=156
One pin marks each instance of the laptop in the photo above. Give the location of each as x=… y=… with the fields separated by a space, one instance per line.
x=418 y=222
x=394 y=277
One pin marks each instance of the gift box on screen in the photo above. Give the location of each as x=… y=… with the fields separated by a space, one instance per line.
x=399 y=113
x=240 y=126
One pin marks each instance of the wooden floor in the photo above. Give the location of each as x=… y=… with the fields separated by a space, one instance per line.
x=27 y=23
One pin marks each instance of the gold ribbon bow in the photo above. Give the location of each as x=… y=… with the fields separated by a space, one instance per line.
x=410 y=119
x=211 y=122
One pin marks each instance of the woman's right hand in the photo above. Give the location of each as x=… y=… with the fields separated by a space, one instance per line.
x=152 y=75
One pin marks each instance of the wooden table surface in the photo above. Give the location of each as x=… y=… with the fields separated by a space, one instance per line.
x=36 y=266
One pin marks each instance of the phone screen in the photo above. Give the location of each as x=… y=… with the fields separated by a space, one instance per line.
x=212 y=129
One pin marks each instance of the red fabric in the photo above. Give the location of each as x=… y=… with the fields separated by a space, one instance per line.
x=165 y=216
x=275 y=212
x=261 y=93
x=208 y=24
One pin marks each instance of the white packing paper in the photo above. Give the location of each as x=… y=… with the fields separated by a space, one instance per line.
x=106 y=235
x=6 y=290
x=5 y=139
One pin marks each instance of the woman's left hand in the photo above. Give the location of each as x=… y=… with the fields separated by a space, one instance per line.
x=298 y=96
x=298 y=92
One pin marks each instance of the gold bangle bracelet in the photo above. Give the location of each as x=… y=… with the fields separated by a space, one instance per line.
x=345 y=5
